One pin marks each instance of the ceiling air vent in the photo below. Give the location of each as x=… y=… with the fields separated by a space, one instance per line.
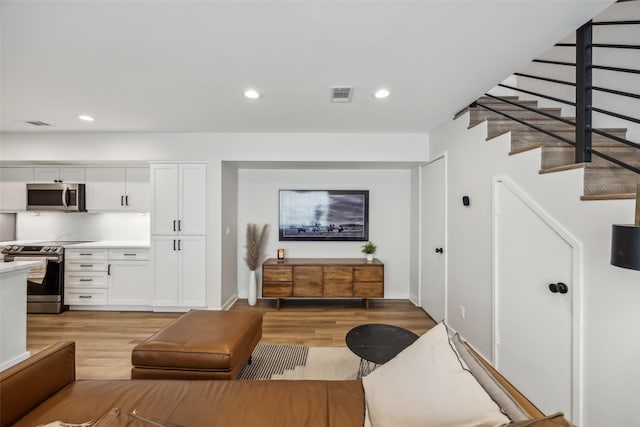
x=341 y=93
x=37 y=123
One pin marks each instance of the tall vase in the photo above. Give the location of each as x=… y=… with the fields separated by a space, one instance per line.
x=253 y=288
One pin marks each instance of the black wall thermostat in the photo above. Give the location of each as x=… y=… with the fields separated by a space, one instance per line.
x=466 y=201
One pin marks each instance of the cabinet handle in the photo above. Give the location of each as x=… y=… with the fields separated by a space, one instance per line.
x=86 y=265
x=179 y=225
x=178 y=244
x=121 y=200
x=174 y=244
x=126 y=200
x=174 y=225
x=108 y=269
x=85 y=296
x=86 y=280
x=129 y=254
x=86 y=254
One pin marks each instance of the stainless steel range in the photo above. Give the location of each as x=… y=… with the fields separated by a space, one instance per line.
x=45 y=282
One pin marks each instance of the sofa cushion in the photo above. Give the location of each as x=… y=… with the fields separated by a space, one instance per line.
x=209 y=403
x=427 y=385
x=202 y=339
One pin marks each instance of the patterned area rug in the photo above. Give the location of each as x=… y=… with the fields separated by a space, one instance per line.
x=296 y=362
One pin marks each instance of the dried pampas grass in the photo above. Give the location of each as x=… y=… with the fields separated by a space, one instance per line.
x=256 y=239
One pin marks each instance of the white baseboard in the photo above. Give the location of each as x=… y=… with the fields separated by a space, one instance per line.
x=227 y=305
x=14 y=360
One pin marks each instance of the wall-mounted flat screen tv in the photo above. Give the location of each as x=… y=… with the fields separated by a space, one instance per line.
x=324 y=215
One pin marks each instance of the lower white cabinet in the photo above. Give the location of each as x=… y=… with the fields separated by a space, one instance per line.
x=108 y=277
x=179 y=271
x=130 y=281
x=85 y=277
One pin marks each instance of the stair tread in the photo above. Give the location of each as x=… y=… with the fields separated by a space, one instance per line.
x=562 y=168
x=603 y=180
x=614 y=196
x=523 y=149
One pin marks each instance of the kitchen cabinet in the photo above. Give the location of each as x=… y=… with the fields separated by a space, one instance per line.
x=130 y=277
x=323 y=278
x=13 y=188
x=85 y=277
x=178 y=199
x=178 y=233
x=56 y=174
x=117 y=189
x=179 y=271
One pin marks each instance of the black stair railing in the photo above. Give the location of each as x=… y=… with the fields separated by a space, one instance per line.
x=584 y=89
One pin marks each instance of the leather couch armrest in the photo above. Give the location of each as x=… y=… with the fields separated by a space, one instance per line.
x=30 y=382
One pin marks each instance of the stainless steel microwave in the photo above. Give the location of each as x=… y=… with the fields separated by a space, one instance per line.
x=58 y=197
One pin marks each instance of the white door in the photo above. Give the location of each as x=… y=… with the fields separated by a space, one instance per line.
x=72 y=175
x=191 y=265
x=46 y=174
x=164 y=198
x=533 y=326
x=13 y=188
x=165 y=270
x=193 y=197
x=432 y=241
x=105 y=189
x=130 y=283
x=138 y=187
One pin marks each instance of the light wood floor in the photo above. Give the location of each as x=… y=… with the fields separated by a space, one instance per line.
x=104 y=339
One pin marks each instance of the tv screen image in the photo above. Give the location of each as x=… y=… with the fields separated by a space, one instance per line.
x=319 y=215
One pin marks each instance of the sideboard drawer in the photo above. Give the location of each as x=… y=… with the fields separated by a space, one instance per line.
x=273 y=273
x=368 y=289
x=373 y=273
x=277 y=289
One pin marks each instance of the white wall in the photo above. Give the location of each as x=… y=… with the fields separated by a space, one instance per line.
x=82 y=226
x=229 y=234
x=389 y=217
x=610 y=294
x=216 y=148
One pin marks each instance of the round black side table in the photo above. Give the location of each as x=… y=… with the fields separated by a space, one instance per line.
x=376 y=344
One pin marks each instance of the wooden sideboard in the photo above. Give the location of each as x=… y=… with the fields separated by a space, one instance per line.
x=322 y=278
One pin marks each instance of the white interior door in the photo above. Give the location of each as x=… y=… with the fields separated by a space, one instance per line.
x=432 y=239
x=533 y=331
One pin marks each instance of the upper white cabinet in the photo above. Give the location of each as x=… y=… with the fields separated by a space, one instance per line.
x=179 y=198
x=55 y=174
x=117 y=189
x=13 y=188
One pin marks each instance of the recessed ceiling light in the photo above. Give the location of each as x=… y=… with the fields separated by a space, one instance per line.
x=252 y=94
x=381 y=94
x=85 y=118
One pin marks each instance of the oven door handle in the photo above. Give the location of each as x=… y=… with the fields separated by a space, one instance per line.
x=64 y=197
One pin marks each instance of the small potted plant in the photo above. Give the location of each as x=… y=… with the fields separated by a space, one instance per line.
x=369 y=249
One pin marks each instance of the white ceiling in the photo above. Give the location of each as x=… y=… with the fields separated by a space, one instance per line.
x=181 y=66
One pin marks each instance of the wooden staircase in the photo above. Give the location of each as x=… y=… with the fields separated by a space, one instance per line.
x=602 y=179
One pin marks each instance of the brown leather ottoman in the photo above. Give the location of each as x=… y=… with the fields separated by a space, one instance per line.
x=200 y=345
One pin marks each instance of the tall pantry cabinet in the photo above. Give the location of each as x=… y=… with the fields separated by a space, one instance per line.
x=178 y=234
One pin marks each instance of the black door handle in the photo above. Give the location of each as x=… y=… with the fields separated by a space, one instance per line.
x=558 y=288
x=439 y=250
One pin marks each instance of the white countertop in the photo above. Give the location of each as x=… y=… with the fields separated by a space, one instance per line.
x=108 y=244
x=100 y=244
x=8 y=267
